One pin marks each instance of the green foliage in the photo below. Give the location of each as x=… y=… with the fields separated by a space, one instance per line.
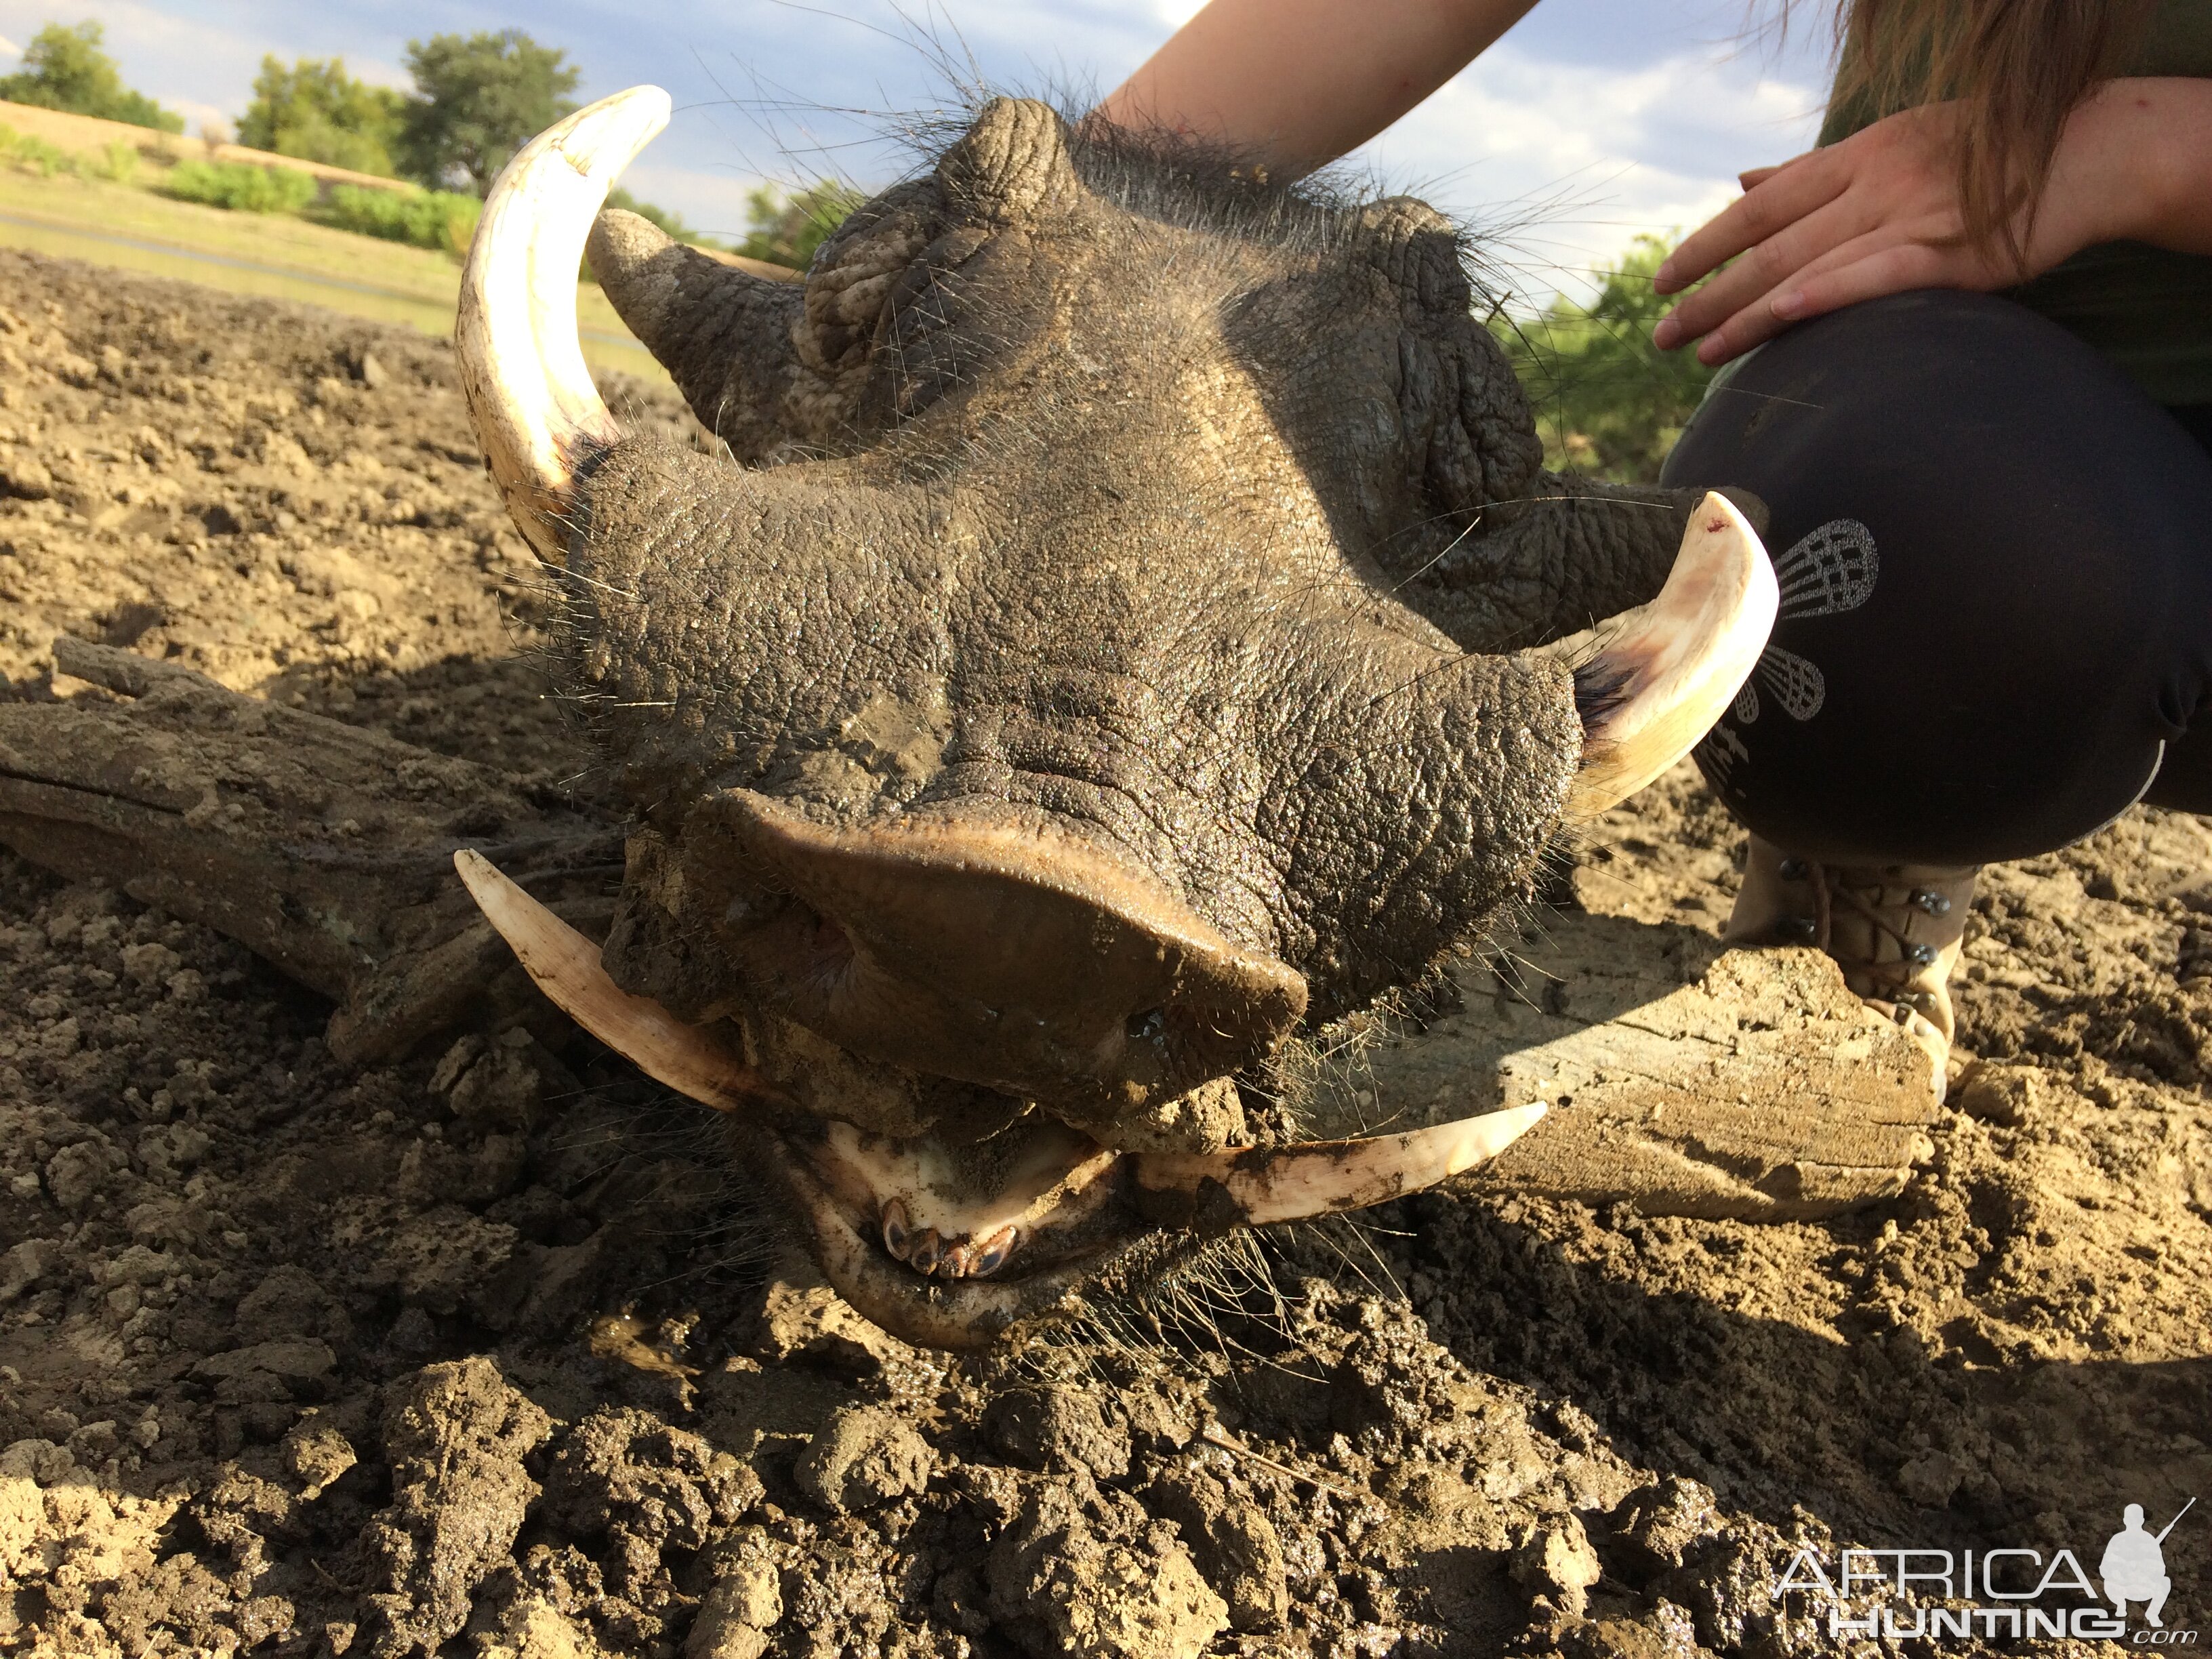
x=117 y=163
x=1609 y=402
x=478 y=100
x=670 y=223
x=241 y=186
x=34 y=155
x=316 y=112
x=433 y=219
x=784 y=230
x=64 y=68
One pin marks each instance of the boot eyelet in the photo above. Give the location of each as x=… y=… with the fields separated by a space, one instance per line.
x=1791 y=870
x=1923 y=954
x=1934 y=904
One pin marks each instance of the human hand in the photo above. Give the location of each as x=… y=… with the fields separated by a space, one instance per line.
x=1879 y=213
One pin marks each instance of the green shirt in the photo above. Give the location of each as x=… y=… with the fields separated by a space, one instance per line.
x=2148 y=309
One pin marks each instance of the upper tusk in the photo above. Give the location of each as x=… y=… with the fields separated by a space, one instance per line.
x=1291 y=1183
x=566 y=966
x=1666 y=671
x=537 y=412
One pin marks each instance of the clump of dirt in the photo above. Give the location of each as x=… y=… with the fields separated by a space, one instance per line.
x=486 y=1352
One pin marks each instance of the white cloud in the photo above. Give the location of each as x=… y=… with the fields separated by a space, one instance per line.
x=1565 y=163
x=203 y=119
x=9 y=48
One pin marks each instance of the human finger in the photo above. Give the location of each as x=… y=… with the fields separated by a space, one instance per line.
x=1758 y=176
x=1759 y=271
x=1789 y=195
x=1887 y=260
x=1889 y=270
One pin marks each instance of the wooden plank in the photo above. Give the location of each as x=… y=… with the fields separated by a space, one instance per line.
x=1683 y=1079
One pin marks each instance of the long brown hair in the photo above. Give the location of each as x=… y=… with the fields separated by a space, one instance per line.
x=2018 y=67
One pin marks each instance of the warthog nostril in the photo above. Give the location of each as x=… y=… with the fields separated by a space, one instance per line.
x=895 y=1229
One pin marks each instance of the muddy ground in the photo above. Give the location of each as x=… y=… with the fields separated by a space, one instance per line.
x=487 y=1352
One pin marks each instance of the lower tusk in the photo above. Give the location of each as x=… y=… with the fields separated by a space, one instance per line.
x=1668 y=669
x=1293 y=1183
x=566 y=966
x=536 y=410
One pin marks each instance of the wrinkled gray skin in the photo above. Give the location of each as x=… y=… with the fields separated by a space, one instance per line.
x=1096 y=667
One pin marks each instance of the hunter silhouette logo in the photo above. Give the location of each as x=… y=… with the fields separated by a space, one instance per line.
x=1988 y=1593
x=2134 y=1567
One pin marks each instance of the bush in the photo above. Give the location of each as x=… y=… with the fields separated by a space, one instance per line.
x=241 y=186
x=21 y=149
x=433 y=218
x=1607 y=401
x=117 y=163
x=784 y=230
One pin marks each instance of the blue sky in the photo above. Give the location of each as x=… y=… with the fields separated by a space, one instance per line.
x=1593 y=120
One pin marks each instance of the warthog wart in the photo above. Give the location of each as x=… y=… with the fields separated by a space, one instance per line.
x=1127 y=634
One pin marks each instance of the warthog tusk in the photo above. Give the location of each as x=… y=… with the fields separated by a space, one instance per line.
x=566 y=966
x=1666 y=671
x=535 y=410
x=1258 y=1185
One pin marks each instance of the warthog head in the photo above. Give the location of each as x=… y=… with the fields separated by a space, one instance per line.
x=1075 y=683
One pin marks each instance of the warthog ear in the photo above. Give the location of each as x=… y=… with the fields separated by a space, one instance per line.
x=1012 y=166
x=776 y=369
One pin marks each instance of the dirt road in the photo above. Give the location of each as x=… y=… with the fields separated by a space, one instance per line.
x=487 y=1352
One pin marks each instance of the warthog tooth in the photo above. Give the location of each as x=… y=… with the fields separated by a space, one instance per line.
x=927 y=1249
x=536 y=410
x=1668 y=669
x=566 y=966
x=896 y=1229
x=992 y=1254
x=1291 y=1183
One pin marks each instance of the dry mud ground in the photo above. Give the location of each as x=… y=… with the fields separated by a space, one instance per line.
x=486 y=1352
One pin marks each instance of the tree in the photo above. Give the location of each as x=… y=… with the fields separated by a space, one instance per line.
x=784 y=230
x=65 y=68
x=476 y=101
x=315 y=110
x=1609 y=401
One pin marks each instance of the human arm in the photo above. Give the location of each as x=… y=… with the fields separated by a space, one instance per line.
x=1879 y=213
x=1298 y=83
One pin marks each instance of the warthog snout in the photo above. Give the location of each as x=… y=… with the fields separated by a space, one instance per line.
x=1006 y=951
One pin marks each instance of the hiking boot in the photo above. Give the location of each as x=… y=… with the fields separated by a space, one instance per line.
x=1894 y=929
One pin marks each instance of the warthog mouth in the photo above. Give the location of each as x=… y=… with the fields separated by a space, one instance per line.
x=955 y=1246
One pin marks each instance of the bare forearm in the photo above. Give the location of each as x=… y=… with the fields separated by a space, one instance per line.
x=2144 y=147
x=1298 y=83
